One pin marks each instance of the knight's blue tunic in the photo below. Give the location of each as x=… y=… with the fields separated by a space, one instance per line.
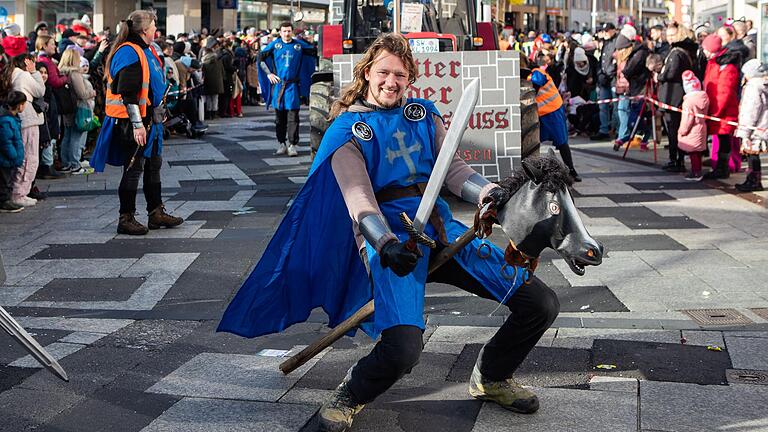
x=312 y=259
x=108 y=148
x=294 y=66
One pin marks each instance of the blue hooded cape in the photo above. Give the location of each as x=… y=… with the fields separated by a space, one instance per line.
x=108 y=148
x=306 y=69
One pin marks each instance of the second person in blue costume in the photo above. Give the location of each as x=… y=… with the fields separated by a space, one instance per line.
x=285 y=67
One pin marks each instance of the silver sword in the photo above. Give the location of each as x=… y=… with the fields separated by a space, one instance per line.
x=28 y=342
x=459 y=123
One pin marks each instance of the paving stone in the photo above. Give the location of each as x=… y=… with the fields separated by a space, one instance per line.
x=639 y=242
x=738 y=407
x=584 y=338
x=641 y=218
x=204 y=196
x=81 y=290
x=748 y=353
x=58 y=350
x=565 y=410
x=463 y=334
x=231 y=376
x=443 y=347
x=609 y=383
x=11 y=350
x=588 y=299
x=211 y=415
x=32 y=407
x=639 y=198
x=656 y=361
x=305 y=396
x=705 y=338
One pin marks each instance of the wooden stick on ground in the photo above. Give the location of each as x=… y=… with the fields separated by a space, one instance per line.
x=366 y=311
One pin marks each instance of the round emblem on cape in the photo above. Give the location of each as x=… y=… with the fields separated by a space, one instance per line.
x=362 y=131
x=554 y=207
x=297 y=47
x=278 y=45
x=414 y=111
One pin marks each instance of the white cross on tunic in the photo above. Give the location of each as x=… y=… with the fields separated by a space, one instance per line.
x=404 y=152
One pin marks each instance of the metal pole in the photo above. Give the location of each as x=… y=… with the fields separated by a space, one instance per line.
x=631 y=8
x=396 y=17
x=640 y=13
x=594 y=15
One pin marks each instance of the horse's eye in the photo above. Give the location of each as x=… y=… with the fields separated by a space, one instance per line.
x=554 y=207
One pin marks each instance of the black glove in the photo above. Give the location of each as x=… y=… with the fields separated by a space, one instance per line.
x=395 y=256
x=499 y=196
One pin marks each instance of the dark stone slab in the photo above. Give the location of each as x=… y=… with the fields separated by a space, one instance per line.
x=207 y=183
x=543 y=367
x=213 y=219
x=668 y=186
x=662 y=361
x=13 y=376
x=461 y=306
x=105 y=289
x=640 y=242
x=197 y=162
x=204 y=196
x=641 y=218
x=598 y=298
x=639 y=198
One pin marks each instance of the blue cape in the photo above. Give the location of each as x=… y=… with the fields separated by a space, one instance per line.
x=306 y=69
x=108 y=148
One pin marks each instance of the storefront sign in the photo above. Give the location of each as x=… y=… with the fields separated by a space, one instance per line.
x=226 y=4
x=411 y=17
x=491 y=143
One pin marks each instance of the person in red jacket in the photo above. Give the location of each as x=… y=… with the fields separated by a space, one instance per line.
x=721 y=82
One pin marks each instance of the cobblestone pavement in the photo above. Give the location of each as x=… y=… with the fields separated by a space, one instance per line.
x=132 y=320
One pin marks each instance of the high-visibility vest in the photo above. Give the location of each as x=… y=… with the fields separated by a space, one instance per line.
x=114 y=106
x=547 y=98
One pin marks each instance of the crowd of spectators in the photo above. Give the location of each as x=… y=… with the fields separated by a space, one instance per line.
x=666 y=76
x=54 y=86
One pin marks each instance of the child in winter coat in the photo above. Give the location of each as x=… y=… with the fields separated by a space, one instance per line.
x=753 y=111
x=692 y=135
x=11 y=148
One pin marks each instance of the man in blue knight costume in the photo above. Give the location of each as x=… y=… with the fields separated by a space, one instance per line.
x=341 y=244
x=285 y=71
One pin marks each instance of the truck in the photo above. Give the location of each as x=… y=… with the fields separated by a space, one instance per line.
x=450 y=45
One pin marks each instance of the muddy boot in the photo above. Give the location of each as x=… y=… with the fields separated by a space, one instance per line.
x=159 y=218
x=752 y=184
x=507 y=393
x=129 y=225
x=336 y=413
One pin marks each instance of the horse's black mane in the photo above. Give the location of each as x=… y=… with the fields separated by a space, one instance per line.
x=555 y=175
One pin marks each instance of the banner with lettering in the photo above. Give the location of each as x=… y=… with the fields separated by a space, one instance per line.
x=491 y=144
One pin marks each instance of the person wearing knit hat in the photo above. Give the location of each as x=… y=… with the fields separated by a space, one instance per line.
x=721 y=82
x=753 y=113
x=14 y=43
x=623 y=42
x=629 y=32
x=581 y=61
x=692 y=133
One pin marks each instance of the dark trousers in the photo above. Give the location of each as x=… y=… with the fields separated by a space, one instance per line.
x=565 y=153
x=287 y=121
x=129 y=183
x=6 y=183
x=533 y=308
x=672 y=124
x=754 y=165
x=723 y=152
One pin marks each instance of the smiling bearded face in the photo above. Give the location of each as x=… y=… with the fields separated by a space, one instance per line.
x=387 y=80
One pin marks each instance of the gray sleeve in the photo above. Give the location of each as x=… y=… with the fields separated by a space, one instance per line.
x=264 y=68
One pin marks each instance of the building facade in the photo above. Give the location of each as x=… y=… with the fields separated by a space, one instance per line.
x=173 y=16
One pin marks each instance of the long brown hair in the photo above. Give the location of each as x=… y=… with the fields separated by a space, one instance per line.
x=391 y=42
x=137 y=22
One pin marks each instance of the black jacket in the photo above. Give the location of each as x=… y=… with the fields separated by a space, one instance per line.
x=737 y=46
x=661 y=48
x=606 y=76
x=635 y=71
x=577 y=83
x=679 y=59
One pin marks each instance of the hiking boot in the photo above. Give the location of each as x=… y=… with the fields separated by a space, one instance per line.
x=281 y=149
x=292 y=150
x=130 y=226
x=752 y=184
x=337 y=412
x=159 y=218
x=508 y=393
x=10 y=207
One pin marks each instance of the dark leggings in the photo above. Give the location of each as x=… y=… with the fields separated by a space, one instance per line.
x=533 y=308
x=287 y=121
x=723 y=150
x=129 y=183
x=672 y=123
x=754 y=163
x=565 y=153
